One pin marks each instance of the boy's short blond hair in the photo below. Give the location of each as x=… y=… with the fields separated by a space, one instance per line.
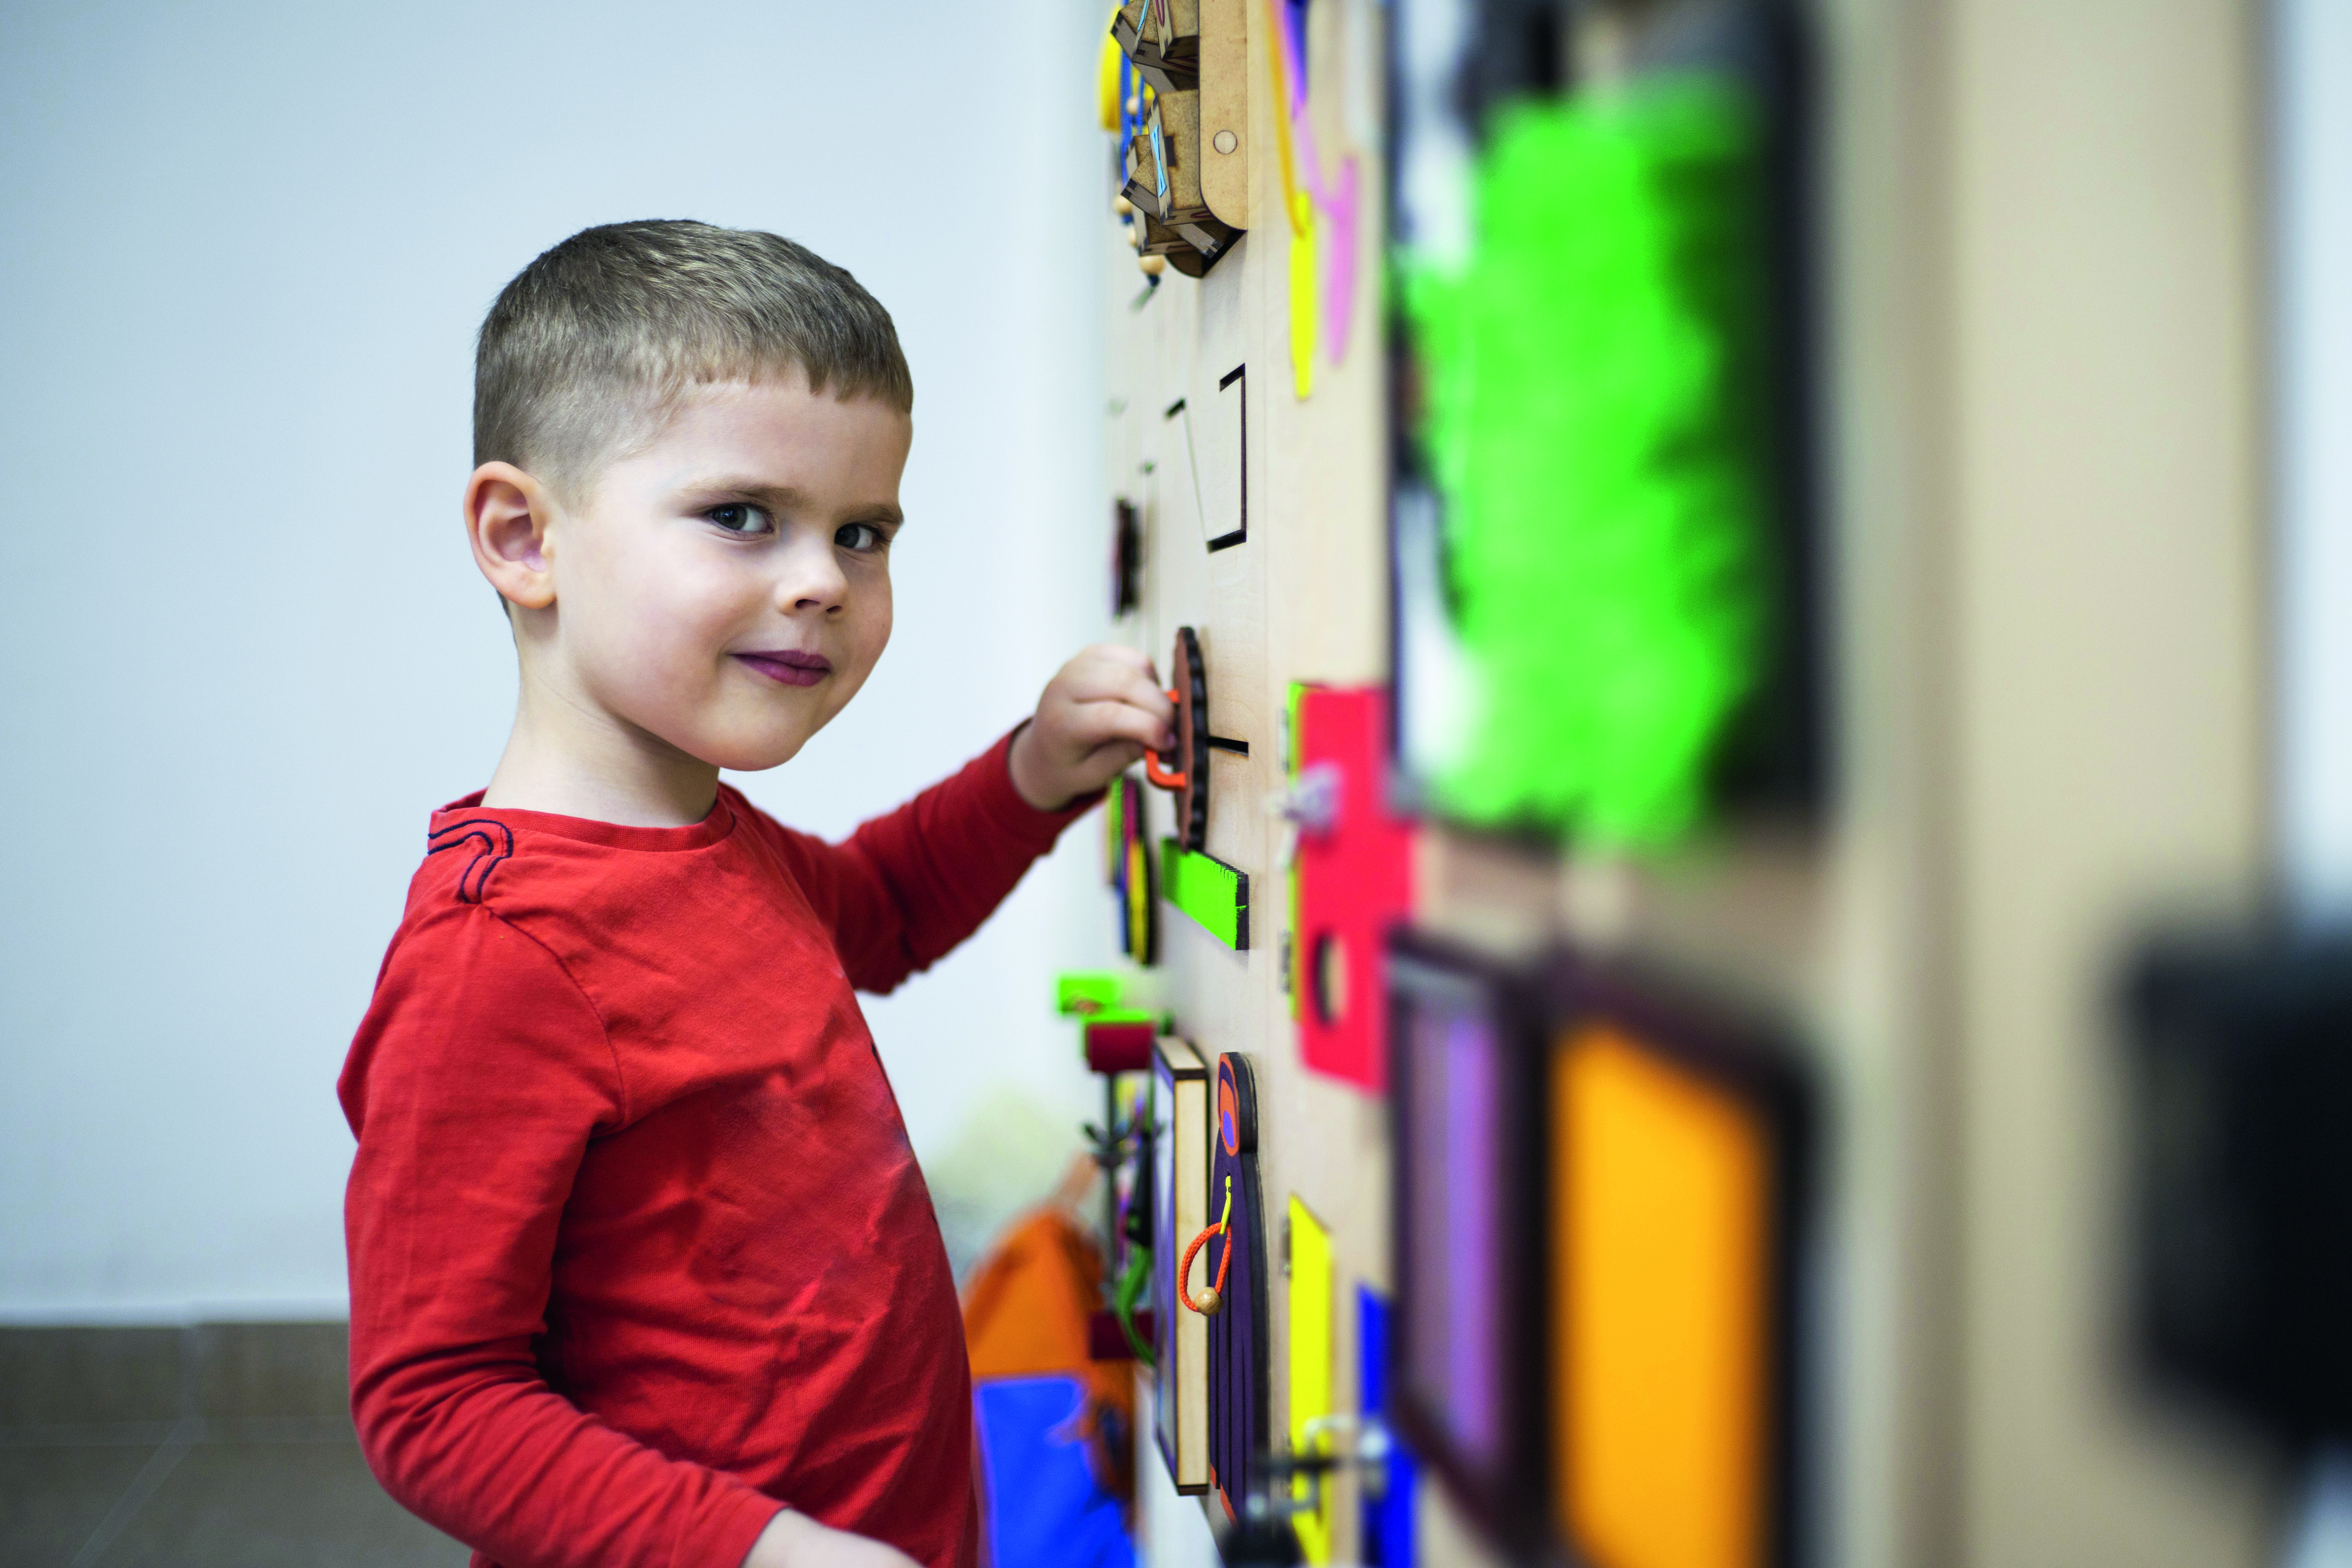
x=588 y=349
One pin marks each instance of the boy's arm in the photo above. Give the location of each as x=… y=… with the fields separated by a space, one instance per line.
x=474 y=1086
x=907 y=886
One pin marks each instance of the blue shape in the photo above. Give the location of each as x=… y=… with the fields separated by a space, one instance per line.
x=1387 y=1518
x=1045 y=1505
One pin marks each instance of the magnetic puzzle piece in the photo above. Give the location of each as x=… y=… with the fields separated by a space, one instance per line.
x=1239 y=1331
x=1353 y=879
x=1184 y=770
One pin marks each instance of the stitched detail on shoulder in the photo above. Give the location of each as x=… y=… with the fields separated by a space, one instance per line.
x=620 y=1079
x=494 y=841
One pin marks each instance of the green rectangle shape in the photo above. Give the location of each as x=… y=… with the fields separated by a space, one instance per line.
x=1205 y=887
x=1086 y=993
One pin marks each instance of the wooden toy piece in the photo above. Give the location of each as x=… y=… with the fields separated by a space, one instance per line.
x=1354 y=879
x=1121 y=207
x=1184 y=770
x=1217 y=896
x=1152 y=266
x=1179 y=1198
x=1239 y=1389
x=1207 y=1300
x=1163 y=164
x=1163 y=38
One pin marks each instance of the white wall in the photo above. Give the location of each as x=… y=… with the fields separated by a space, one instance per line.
x=2312 y=59
x=243 y=249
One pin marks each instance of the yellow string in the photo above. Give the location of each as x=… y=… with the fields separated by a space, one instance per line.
x=1296 y=202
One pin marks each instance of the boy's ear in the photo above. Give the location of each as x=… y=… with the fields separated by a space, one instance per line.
x=507 y=517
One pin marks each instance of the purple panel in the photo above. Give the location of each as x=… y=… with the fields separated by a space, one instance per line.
x=1453 y=1357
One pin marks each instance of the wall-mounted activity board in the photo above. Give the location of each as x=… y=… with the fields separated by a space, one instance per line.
x=1599 y=1202
x=1607 y=601
x=1180 y=1187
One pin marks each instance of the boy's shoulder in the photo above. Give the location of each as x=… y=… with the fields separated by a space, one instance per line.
x=583 y=888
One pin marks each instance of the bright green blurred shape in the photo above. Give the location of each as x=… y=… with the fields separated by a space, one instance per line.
x=1593 y=425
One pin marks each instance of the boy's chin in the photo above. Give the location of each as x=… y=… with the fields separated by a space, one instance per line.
x=751 y=754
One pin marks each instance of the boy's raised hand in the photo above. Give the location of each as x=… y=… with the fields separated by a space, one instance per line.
x=795 y=1541
x=1096 y=718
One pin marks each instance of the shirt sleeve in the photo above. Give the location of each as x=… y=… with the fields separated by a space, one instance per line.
x=905 y=887
x=475 y=1083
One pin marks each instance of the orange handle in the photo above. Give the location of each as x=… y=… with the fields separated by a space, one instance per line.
x=1160 y=775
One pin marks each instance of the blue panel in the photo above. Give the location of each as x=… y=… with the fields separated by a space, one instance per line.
x=1389 y=1518
x=1046 y=1507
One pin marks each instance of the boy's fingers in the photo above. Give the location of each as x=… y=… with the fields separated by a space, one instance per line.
x=1101 y=721
x=1115 y=654
x=1126 y=687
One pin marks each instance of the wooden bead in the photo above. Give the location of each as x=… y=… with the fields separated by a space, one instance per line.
x=1153 y=266
x=1206 y=1298
x=1122 y=206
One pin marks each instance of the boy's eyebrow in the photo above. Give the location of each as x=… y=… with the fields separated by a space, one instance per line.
x=784 y=498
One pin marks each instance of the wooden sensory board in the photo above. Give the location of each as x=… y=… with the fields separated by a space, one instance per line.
x=1930 y=936
x=1302 y=599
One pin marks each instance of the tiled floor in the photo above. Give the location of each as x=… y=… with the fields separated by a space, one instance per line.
x=224 y=1445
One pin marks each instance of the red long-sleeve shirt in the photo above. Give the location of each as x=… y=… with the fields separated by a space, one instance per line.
x=639 y=1252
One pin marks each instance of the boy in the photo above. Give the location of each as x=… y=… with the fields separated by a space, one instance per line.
x=643 y=1271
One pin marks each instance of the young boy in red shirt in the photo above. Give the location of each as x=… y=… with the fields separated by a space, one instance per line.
x=643 y=1272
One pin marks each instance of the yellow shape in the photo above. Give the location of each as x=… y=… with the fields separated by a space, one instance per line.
x=1310 y=1363
x=1306 y=309
x=1107 y=78
x=1659 y=1198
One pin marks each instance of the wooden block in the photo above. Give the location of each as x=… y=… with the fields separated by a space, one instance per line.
x=1214 y=894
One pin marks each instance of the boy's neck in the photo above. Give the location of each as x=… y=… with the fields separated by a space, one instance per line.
x=573 y=759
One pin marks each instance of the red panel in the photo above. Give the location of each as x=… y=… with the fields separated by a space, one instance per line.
x=1355 y=880
x=1119 y=1046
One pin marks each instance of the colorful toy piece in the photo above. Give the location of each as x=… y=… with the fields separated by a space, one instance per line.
x=1185 y=771
x=1353 y=877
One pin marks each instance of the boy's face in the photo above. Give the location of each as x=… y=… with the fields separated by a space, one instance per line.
x=727 y=588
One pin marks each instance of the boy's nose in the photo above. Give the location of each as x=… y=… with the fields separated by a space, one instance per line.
x=813 y=580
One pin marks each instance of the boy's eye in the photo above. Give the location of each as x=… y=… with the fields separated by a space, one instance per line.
x=860 y=536
x=740 y=517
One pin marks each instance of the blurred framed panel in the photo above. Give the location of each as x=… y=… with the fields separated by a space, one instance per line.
x=1608 y=557
x=2238 y=1097
x=1602 y=1187
x=1180 y=1188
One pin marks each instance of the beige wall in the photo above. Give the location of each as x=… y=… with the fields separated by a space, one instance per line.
x=2107 y=688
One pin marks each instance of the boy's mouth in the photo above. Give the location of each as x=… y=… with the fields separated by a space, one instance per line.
x=791 y=669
